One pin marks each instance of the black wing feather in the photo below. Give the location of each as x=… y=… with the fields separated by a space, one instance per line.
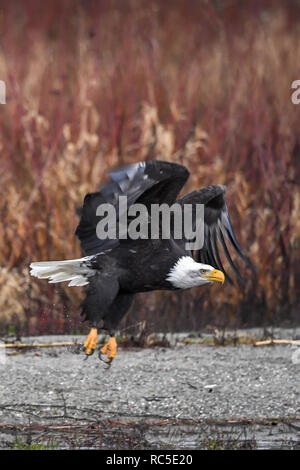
x=216 y=225
x=219 y=264
x=227 y=254
x=144 y=182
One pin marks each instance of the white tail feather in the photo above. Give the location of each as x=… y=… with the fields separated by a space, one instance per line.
x=76 y=271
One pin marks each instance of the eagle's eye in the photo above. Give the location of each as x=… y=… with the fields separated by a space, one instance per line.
x=203 y=271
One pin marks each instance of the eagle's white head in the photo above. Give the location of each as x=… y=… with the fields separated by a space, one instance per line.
x=187 y=273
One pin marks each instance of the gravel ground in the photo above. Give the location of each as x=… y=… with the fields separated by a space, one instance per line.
x=187 y=381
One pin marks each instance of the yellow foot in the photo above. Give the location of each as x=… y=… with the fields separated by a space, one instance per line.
x=91 y=342
x=110 y=348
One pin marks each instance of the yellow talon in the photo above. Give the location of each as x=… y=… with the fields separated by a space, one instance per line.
x=91 y=342
x=110 y=348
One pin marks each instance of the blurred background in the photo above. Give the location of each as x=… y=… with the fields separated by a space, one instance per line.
x=91 y=85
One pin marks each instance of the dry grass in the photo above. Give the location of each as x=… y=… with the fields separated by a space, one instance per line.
x=91 y=85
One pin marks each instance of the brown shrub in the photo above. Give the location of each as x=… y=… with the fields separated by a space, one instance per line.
x=93 y=85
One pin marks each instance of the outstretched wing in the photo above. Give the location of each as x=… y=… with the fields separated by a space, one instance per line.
x=144 y=182
x=217 y=229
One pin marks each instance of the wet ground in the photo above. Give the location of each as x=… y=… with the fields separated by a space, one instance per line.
x=187 y=396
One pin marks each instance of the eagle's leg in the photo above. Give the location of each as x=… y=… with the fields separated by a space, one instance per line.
x=111 y=320
x=110 y=348
x=91 y=341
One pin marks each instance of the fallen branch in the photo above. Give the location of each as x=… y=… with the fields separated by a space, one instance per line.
x=36 y=345
x=268 y=342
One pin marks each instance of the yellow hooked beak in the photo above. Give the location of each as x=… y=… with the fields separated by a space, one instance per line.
x=216 y=276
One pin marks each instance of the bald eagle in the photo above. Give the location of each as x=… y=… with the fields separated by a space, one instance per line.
x=114 y=269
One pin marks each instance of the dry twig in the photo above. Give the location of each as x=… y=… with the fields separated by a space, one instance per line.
x=269 y=342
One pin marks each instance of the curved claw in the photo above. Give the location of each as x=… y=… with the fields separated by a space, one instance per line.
x=110 y=348
x=86 y=357
x=106 y=361
x=101 y=357
x=87 y=353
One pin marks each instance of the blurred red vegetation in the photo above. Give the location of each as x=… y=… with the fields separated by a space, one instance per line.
x=95 y=84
